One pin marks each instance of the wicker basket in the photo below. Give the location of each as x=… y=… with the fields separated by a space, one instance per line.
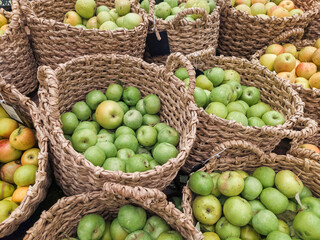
x=70 y=82
x=313 y=30
x=55 y=42
x=186 y=36
x=307 y=171
x=213 y=130
x=37 y=191
x=61 y=220
x=17 y=66
x=241 y=35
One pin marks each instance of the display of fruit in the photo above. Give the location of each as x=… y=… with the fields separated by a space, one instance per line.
x=219 y=92
x=167 y=9
x=267 y=8
x=300 y=67
x=18 y=161
x=264 y=205
x=131 y=223
x=87 y=16
x=3 y=24
x=119 y=130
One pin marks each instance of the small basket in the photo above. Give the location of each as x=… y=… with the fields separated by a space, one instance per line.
x=241 y=35
x=213 y=130
x=307 y=171
x=38 y=191
x=70 y=82
x=18 y=66
x=61 y=220
x=313 y=30
x=55 y=42
x=187 y=36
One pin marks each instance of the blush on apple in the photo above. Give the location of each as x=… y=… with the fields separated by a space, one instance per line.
x=22 y=138
x=7 y=171
x=310 y=147
x=305 y=54
x=287 y=4
x=285 y=62
x=7 y=152
x=275 y=49
x=288 y=76
x=306 y=69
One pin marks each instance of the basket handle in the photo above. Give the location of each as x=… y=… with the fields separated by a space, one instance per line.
x=297 y=34
x=310 y=128
x=189 y=11
x=178 y=59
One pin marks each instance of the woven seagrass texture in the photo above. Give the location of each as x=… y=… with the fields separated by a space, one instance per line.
x=308 y=171
x=61 y=220
x=55 y=42
x=18 y=65
x=213 y=130
x=37 y=191
x=70 y=82
x=188 y=36
x=241 y=35
x=313 y=29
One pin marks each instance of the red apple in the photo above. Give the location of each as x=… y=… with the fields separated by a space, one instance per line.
x=285 y=62
x=7 y=126
x=310 y=147
x=305 y=54
x=7 y=171
x=22 y=138
x=279 y=12
x=306 y=69
x=7 y=152
x=275 y=49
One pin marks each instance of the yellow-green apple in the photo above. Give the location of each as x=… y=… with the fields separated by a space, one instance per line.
x=22 y=138
x=248 y=233
x=3 y=113
x=7 y=152
x=305 y=54
x=109 y=114
x=288 y=183
x=244 y=8
x=207 y=209
x=237 y=210
x=7 y=126
x=270 y=5
x=7 y=171
x=30 y=157
x=227 y=230
x=6 y=208
x=288 y=76
x=155 y=226
x=317 y=44
x=316 y=57
x=310 y=147
x=25 y=175
x=230 y=183
x=246 y=2
x=290 y=48
x=296 y=12
x=306 y=69
x=287 y=4
x=314 y=81
x=6 y=190
x=267 y=60
x=91 y=226
x=302 y=81
x=72 y=18
x=259 y=1
x=279 y=12
x=275 y=49
x=258 y=8
x=285 y=62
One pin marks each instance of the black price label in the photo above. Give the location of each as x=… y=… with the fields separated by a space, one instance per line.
x=6 y=4
x=156 y=47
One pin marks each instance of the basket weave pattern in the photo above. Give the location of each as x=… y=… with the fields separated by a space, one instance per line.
x=313 y=29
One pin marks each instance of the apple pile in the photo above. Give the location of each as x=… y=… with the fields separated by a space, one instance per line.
x=18 y=161
x=131 y=223
x=266 y=9
x=266 y=205
x=3 y=24
x=169 y=8
x=87 y=16
x=221 y=93
x=131 y=130
x=300 y=67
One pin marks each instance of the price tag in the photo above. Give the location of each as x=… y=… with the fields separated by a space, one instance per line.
x=6 y=4
x=156 y=47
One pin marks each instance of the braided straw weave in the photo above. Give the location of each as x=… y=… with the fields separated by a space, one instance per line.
x=213 y=130
x=188 y=36
x=70 y=83
x=17 y=66
x=62 y=219
x=241 y=35
x=307 y=171
x=37 y=191
x=313 y=29
x=55 y=42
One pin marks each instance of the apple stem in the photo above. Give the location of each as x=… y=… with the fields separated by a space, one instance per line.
x=297 y=197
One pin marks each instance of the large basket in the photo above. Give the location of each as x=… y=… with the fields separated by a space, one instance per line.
x=38 y=191
x=55 y=42
x=187 y=36
x=70 y=82
x=61 y=220
x=213 y=130
x=313 y=29
x=18 y=65
x=241 y=35
x=307 y=171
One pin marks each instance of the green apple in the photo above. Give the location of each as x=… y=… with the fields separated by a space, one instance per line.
x=206 y=228
x=132 y=218
x=93 y=23
x=116 y=231
x=140 y=107
x=251 y=95
x=243 y=103
x=91 y=226
x=283 y=227
x=311 y=204
x=172 y=3
x=102 y=8
x=150 y=120
x=25 y=175
x=273 y=118
x=203 y=82
x=207 y=209
x=218 y=109
x=237 y=87
x=147 y=136
x=225 y=229
x=81 y=110
x=238 y=117
x=114 y=164
x=234 y=94
x=6 y=208
x=236 y=107
x=162 y=10
x=126 y=141
x=277 y=235
x=83 y=139
x=95 y=155
x=258 y=110
x=215 y=189
x=114 y=92
x=265 y=222
x=170 y=235
x=163 y=152
x=222 y=94
x=181 y=73
x=306 y=225
x=6 y=190
x=169 y=135
x=200 y=97
x=248 y=233
x=94 y=98
x=132 y=20
x=85 y=8
x=243 y=174
x=256 y=122
x=152 y=104
x=187 y=83
x=256 y=206
x=237 y=211
x=96 y=125
x=274 y=200
x=305 y=193
x=144 y=150
x=288 y=183
x=124 y=130
x=125 y=154
x=159 y=126
x=155 y=226
x=132 y=119
x=122 y=6
x=86 y=125
x=230 y=183
x=109 y=114
x=252 y=188
x=69 y=122
x=107 y=233
x=231 y=75
x=265 y=175
x=292 y=206
x=201 y=183
x=124 y=106
x=131 y=96
x=215 y=75
x=137 y=163
x=105 y=137
x=153 y=164
x=140 y=234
